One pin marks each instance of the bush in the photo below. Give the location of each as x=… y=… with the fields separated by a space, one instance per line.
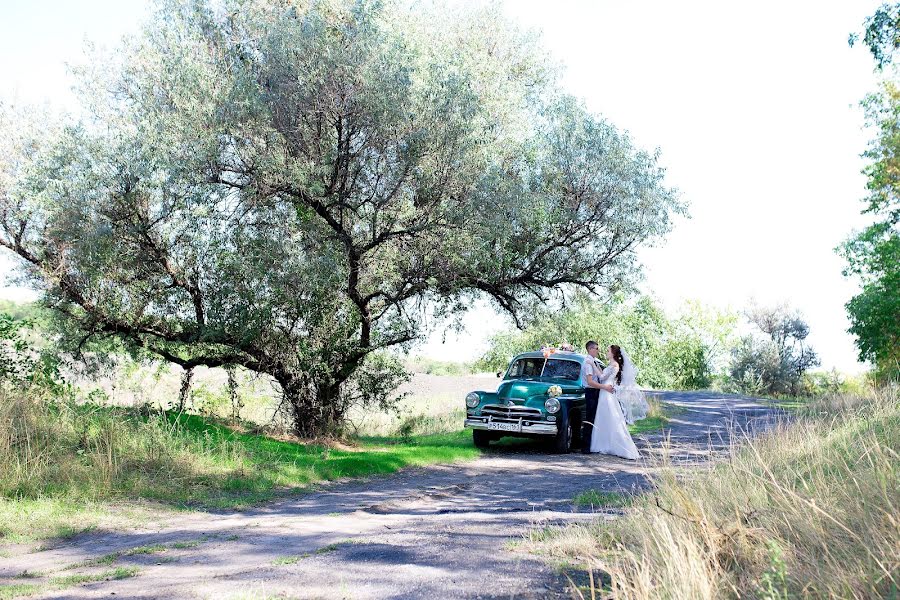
x=776 y=362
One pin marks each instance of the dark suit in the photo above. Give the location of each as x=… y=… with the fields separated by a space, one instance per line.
x=591 y=396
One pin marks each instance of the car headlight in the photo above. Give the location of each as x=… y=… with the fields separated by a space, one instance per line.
x=472 y=399
x=552 y=405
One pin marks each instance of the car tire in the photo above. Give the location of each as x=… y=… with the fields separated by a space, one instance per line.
x=576 y=429
x=562 y=444
x=482 y=438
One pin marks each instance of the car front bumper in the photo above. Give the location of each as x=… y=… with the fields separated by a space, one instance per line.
x=522 y=426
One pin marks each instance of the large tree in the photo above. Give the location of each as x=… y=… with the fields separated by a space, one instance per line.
x=295 y=186
x=873 y=254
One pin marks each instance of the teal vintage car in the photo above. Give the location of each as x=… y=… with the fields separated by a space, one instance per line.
x=541 y=395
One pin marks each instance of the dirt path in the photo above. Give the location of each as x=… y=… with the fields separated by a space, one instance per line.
x=437 y=532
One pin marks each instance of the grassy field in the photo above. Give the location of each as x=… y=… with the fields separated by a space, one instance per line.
x=809 y=510
x=65 y=464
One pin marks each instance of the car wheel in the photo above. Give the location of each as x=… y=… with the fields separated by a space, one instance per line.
x=576 y=430
x=563 y=442
x=481 y=438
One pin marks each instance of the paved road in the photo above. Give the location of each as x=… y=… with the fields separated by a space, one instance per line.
x=437 y=532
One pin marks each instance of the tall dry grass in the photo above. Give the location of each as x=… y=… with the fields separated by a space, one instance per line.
x=809 y=510
x=50 y=447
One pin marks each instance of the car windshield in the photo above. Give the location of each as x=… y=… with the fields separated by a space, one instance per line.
x=562 y=369
x=555 y=368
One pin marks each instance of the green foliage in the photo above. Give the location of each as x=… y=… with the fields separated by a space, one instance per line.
x=677 y=353
x=295 y=190
x=773 y=585
x=882 y=33
x=16 y=362
x=873 y=255
x=22 y=360
x=776 y=362
x=32 y=312
x=832 y=382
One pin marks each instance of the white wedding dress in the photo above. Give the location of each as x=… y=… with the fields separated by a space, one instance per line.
x=610 y=432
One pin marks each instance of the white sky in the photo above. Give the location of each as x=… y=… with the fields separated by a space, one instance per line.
x=754 y=106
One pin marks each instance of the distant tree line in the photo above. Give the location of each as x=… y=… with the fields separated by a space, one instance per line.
x=697 y=348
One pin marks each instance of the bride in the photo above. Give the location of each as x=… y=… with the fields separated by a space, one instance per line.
x=610 y=433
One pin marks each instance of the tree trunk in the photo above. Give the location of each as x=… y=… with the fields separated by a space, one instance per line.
x=314 y=409
x=236 y=403
x=186 y=377
x=328 y=397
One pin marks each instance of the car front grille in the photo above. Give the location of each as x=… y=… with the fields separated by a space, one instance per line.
x=511 y=412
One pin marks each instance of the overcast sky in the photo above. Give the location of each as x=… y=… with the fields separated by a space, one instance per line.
x=754 y=107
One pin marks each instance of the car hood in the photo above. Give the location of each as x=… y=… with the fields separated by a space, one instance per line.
x=521 y=390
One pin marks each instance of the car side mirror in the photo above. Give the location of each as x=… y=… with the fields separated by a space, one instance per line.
x=499 y=373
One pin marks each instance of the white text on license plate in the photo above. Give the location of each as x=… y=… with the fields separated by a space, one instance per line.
x=503 y=426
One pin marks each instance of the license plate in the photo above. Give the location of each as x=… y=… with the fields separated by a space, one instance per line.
x=503 y=426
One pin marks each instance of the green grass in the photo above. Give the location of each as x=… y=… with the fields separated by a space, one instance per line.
x=100 y=561
x=26 y=574
x=108 y=559
x=64 y=581
x=19 y=590
x=651 y=423
x=86 y=465
x=61 y=582
x=146 y=550
x=790 y=403
x=657 y=417
x=327 y=549
x=87 y=461
x=601 y=498
x=290 y=560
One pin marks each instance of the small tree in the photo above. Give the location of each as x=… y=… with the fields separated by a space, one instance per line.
x=295 y=190
x=776 y=363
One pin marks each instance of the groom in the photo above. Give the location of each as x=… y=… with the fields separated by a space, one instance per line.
x=591 y=395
